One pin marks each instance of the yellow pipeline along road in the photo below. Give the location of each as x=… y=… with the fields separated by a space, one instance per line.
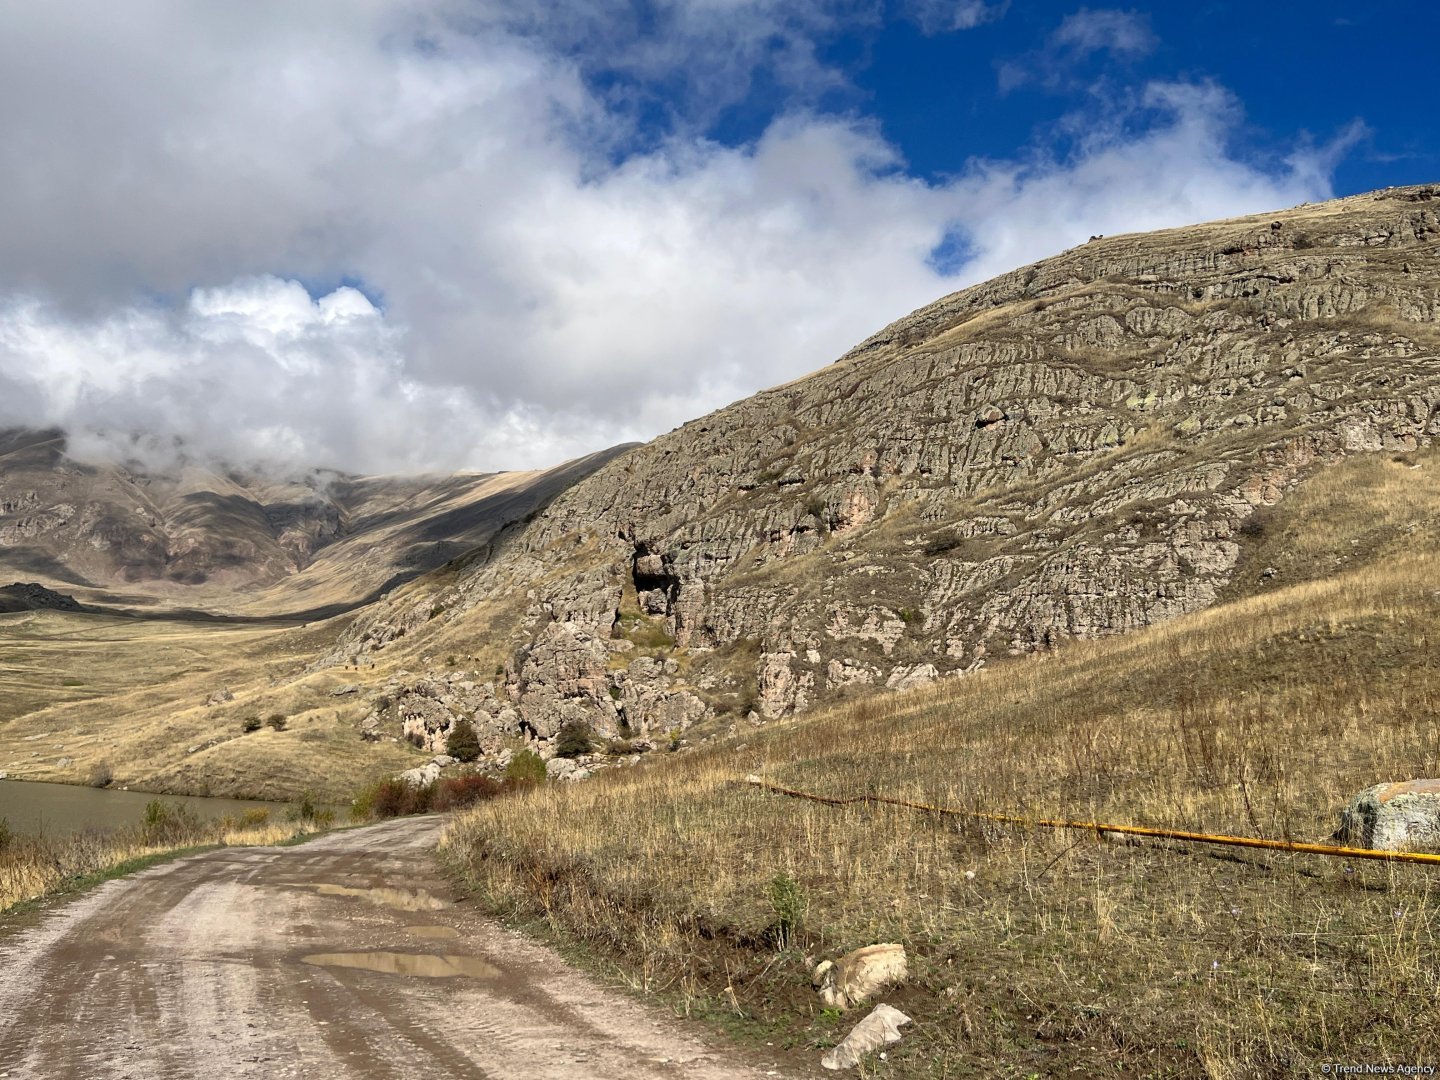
x=1100 y=828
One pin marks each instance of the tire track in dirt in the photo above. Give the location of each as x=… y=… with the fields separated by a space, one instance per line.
x=222 y=964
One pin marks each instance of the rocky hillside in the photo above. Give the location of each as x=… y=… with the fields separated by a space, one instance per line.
x=243 y=543
x=1077 y=448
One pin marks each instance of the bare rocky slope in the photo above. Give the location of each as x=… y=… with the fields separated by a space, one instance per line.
x=1074 y=449
x=238 y=542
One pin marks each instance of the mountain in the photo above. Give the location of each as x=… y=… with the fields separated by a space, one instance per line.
x=1079 y=448
x=243 y=543
x=1083 y=447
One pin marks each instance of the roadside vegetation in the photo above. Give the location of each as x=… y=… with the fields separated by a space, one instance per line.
x=1050 y=953
x=33 y=867
x=391 y=797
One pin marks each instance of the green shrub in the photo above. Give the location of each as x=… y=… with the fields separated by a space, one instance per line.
x=101 y=774
x=394 y=798
x=463 y=743
x=389 y=798
x=574 y=739
x=362 y=806
x=6 y=836
x=276 y=721
x=306 y=810
x=249 y=724
x=787 y=904
x=525 y=768
x=254 y=818
x=168 y=823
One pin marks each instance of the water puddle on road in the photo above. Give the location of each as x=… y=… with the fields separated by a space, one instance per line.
x=421 y=964
x=432 y=931
x=399 y=899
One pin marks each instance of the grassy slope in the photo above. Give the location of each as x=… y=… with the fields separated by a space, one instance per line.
x=1259 y=716
x=87 y=689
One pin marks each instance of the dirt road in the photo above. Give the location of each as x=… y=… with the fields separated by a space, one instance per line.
x=344 y=957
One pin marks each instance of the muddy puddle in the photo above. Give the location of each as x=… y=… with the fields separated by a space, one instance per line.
x=420 y=964
x=399 y=899
x=432 y=932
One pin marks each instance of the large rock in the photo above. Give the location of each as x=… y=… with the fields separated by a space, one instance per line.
x=1399 y=816
x=559 y=768
x=877 y=1031
x=32 y=596
x=859 y=975
x=421 y=777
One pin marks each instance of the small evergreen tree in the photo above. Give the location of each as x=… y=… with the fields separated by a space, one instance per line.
x=463 y=743
x=574 y=739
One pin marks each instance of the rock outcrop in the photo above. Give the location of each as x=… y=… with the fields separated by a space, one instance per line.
x=1071 y=450
x=32 y=596
x=1400 y=816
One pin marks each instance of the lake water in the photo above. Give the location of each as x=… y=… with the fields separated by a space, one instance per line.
x=30 y=807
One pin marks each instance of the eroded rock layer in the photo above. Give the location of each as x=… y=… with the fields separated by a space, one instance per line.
x=1070 y=450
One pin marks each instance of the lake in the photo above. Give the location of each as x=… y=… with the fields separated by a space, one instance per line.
x=30 y=807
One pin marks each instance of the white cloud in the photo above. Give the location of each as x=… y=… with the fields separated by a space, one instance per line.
x=1178 y=172
x=542 y=289
x=1105 y=29
x=1124 y=35
x=945 y=16
x=255 y=371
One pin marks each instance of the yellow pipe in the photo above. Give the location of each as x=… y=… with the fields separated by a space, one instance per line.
x=1128 y=830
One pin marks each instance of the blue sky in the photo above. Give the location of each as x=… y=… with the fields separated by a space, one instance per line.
x=1019 y=78
x=1294 y=75
x=401 y=234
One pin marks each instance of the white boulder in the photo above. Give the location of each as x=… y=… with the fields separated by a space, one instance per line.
x=418 y=778
x=1399 y=816
x=876 y=1031
x=858 y=975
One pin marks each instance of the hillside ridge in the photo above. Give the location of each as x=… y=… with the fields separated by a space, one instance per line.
x=1070 y=450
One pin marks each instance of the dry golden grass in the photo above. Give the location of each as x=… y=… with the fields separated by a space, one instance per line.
x=1040 y=953
x=32 y=867
x=85 y=689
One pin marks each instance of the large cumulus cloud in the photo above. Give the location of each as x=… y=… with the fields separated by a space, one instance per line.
x=535 y=270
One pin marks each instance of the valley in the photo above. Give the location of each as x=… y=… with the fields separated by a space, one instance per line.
x=1143 y=533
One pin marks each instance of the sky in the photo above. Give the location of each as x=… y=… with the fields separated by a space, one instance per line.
x=412 y=235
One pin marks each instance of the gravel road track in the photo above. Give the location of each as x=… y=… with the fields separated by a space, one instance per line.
x=344 y=957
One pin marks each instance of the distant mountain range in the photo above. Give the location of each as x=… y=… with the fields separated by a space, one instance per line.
x=237 y=543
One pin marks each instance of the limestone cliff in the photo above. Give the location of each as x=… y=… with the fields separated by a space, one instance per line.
x=1072 y=449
